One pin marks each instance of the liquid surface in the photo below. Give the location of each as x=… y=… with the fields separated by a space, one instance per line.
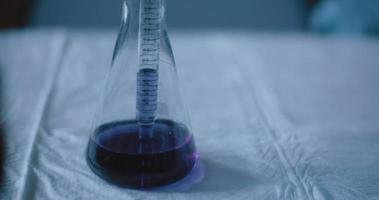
x=131 y=155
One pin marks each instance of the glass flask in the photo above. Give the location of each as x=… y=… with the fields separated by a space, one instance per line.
x=141 y=134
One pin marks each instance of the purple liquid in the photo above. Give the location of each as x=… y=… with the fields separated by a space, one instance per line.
x=118 y=153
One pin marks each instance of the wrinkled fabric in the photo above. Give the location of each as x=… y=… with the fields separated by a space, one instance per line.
x=275 y=116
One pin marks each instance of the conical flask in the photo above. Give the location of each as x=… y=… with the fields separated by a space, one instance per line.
x=141 y=135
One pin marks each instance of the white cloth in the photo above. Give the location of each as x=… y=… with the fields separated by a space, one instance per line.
x=275 y=116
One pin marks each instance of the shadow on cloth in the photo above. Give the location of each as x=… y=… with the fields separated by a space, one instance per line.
x=2 y=131
x=2 y=155
x=209 y=175
x=2 y=140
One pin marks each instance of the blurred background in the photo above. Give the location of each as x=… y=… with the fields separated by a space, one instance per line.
x=323 y=16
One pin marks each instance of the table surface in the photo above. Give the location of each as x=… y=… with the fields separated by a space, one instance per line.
x=275 y=116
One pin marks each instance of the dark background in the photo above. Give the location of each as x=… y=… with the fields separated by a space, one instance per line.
x=182 y=14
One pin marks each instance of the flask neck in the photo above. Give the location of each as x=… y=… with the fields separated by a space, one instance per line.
x=142 y=21
x=133 y=10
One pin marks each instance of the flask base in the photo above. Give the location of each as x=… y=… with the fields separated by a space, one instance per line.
x=119 y=153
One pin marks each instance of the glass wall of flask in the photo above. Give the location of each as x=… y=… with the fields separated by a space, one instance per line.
x=141 y=134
